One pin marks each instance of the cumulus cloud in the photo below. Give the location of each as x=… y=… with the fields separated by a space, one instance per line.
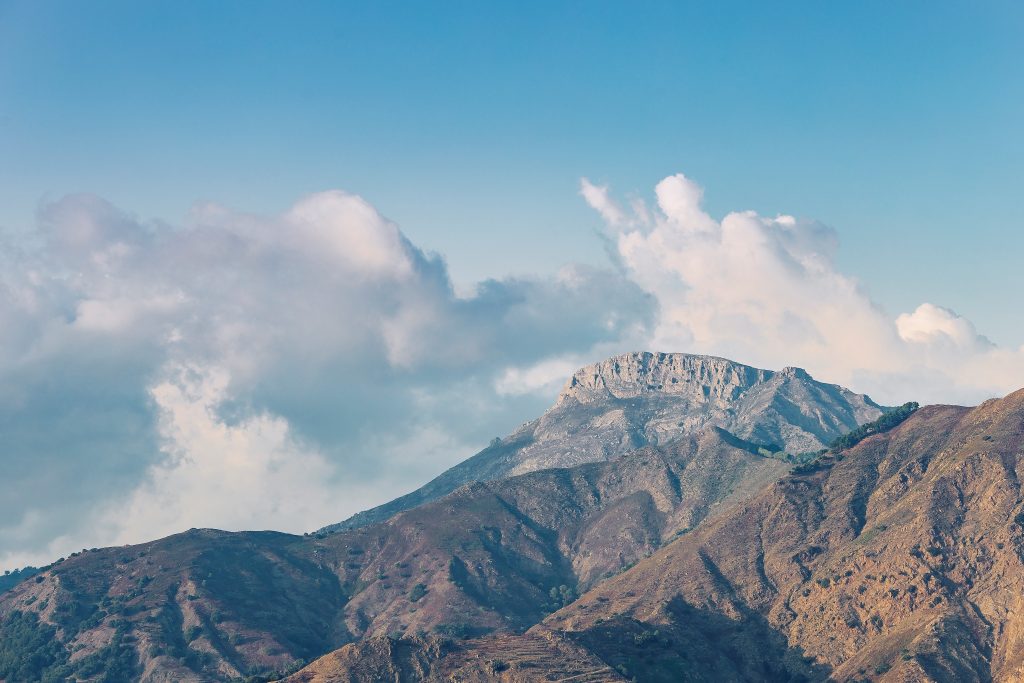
x=247 y=371
x=767 y=291
x=936 y=326
x=233 y=472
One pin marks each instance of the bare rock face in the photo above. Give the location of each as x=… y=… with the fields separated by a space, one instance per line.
x=643 y=399
x=700 y=379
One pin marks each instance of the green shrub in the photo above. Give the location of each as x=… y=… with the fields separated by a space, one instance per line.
x=29 y=650
x=884 y=423
x=417 y=592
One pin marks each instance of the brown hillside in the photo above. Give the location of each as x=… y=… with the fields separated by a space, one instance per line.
x=489 y=558
x=897 y=560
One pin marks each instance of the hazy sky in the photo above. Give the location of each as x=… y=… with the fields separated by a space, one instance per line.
x=324 y=253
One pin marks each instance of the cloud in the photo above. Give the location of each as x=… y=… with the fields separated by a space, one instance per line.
x=767 y=291
x=241 y=370
x=598 y=198
x=935 y=326
x=248 y=473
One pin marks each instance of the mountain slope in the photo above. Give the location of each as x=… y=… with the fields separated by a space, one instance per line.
x=618 y=405
x=491 y=557
x=195 y=606
x=501 y=555
x=897 y=560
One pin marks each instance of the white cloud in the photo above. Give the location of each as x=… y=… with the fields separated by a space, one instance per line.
x=243 y=370
x=598 y=197
x=767 y=291
x=932 y=325
x=250 y=474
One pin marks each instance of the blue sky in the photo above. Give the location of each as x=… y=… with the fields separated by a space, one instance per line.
x=263 y=265
x=470 y=124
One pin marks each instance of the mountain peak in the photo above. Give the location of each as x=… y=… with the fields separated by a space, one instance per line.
x=708 y=378
x=795 y=372
x=632 y=400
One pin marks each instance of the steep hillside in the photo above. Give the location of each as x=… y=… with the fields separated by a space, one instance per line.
x=192 y=607
x=491 y=557
x=899 y=559
x=616 y=406
x=501 y=555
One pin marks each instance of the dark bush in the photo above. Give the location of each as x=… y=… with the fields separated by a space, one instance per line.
x=417 y=592
x=883 y=424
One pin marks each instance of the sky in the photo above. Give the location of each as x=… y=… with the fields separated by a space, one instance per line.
x=263 y=266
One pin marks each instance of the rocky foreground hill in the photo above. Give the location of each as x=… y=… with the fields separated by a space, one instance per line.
x=691 y=458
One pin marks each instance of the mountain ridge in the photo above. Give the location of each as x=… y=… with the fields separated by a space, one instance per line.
x=625 y=402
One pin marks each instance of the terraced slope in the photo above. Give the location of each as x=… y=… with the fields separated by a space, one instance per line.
x=513 y=659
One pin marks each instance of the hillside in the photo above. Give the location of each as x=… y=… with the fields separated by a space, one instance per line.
x=639 y=399
x=899 y=559
x=489 y=558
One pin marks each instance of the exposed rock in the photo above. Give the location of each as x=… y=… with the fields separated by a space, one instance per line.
x=638 y=399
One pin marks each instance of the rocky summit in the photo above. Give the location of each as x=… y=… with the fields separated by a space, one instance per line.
x=639 y=399
x=709 y=545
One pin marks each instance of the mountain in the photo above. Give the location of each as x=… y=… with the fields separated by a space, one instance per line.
x=899 y=559
x=638 y=399
x=490 y=559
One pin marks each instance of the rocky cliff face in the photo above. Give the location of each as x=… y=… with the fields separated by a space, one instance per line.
x=698 y=379
x=638 y=399
x=651 y=398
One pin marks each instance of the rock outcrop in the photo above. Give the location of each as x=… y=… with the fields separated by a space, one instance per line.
x=639 y=399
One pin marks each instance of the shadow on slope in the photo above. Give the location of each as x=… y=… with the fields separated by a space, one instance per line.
x=699 y=645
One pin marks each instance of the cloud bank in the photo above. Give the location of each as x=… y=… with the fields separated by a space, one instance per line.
x=247 y=371
x=766 y=291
